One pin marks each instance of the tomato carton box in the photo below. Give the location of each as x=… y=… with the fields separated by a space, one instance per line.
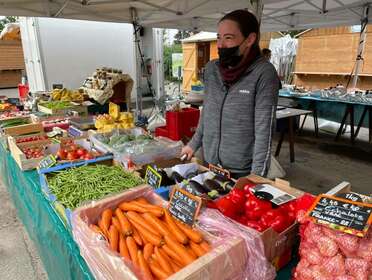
x=278 y=246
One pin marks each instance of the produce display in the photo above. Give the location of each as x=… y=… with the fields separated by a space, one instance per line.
x=67 y=95
x=55 y=105
x=91 y=182
x=71 y=151
x=106 y=123
x=33 y=152
x=13 y=122
x=6 y=107
x=13 y=114
x=147 y=235
x=63 y=123
x=26 y=139
x=115 y=140
x=329 y=254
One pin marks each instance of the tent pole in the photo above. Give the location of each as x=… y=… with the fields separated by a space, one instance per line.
x=362 y=42
x=257 y=6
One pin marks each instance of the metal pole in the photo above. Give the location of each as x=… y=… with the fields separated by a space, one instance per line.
x=362 y=42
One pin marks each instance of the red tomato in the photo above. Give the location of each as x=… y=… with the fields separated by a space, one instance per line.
x=81 y=152
x=71 y=156
x=61 y=154
x=88 y=156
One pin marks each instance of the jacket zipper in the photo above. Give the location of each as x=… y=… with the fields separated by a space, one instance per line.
x=220 y=134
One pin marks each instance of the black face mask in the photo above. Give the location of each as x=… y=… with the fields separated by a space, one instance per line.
x=229 y=57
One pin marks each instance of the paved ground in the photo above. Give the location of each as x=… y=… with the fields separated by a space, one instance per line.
x=320 y=164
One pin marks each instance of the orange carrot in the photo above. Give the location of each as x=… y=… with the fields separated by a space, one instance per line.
x=165 y=265
x=96 y=228
x=198 y=250
x=126 y=227
x=139 y=240
x=156 y=223
x=157 y=271
x=205 y=246
x=106 y=219
x=180 y=250
x=148 y=206
x=123 y=249
x=132 y=248
x=190 y=251
x=138 y=219
x=175 y=266
x=191 y=233
x=144 y=266
x=114 y=238
x=174 y=229
x=104 y=231
x=128 y=206
x=147 y=235
x=116 y=223
x=142 y=200
x=148 y=250
x=172 y=254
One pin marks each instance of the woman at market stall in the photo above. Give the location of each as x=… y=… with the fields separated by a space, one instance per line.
x=241 y=87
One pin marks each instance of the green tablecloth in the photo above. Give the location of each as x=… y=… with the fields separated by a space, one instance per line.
x=57 y=249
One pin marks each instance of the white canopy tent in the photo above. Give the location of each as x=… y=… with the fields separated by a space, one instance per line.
x=277 y=15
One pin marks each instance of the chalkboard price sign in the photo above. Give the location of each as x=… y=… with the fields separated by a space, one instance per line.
x=184 y=206
x=342 y=214
x=153 y=178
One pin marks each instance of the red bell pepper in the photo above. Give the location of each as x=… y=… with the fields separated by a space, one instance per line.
x=238 y=197
x=248 y=187
x=227 y=207
x=255 y=225
x=279 y=223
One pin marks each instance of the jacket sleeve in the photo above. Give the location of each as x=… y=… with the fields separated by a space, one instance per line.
x=265 y=118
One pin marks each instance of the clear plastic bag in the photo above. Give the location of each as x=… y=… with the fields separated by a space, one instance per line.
x=226 y=260
x=257 y=265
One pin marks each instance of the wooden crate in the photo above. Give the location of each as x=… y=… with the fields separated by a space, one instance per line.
x=225 y=260
x=20 y=158
x=82 y=110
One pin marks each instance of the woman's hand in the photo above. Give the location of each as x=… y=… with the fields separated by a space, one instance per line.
x=188 y=152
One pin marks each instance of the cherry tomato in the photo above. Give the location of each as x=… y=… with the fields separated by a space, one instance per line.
x=71 y=156
x=81 y=152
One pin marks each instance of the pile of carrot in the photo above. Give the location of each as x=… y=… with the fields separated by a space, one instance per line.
x=148 y=236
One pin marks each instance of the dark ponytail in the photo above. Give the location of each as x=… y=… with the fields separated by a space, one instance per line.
x=247 y=23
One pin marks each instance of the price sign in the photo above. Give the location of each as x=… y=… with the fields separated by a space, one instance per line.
x=219 y=171
x=184 y=206
x=152 y=178
x=47 y=162
x=341 y=214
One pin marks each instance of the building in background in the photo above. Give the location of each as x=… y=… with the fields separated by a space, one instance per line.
x=201 y=48
x=326 y=57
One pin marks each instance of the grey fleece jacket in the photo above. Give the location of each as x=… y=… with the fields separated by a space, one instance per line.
x=237 y=123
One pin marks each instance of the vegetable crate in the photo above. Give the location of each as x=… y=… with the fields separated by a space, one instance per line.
x=16 y=150
x=65 y=213
x=80 y=109
x=23 y=129
x=278 y=246
x=226 y=259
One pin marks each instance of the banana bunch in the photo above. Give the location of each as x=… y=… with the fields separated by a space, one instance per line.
x=67 y=95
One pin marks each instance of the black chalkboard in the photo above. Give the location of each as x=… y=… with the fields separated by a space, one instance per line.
x=342 y=214
x=153 y=178
x=184 y=206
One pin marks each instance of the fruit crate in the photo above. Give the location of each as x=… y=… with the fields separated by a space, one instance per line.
x=80 y=109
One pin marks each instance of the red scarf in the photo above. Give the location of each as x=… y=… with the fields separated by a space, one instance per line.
x=231 y=74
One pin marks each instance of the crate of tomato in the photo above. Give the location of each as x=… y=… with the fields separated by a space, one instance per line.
x=270 y=208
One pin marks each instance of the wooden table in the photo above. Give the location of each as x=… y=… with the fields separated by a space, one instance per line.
x=290 y=114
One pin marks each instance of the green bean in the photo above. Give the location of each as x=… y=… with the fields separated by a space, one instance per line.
x=91 y=182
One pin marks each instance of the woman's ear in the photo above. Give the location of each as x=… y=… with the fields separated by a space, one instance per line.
x=251 y=39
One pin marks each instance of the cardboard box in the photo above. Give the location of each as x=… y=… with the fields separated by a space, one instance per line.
x=224 y=261
x=80 y=109
x=278 y=246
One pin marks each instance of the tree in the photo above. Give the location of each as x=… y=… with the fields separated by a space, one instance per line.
x=182 y=34
x=167 y=57
x=7 y=20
